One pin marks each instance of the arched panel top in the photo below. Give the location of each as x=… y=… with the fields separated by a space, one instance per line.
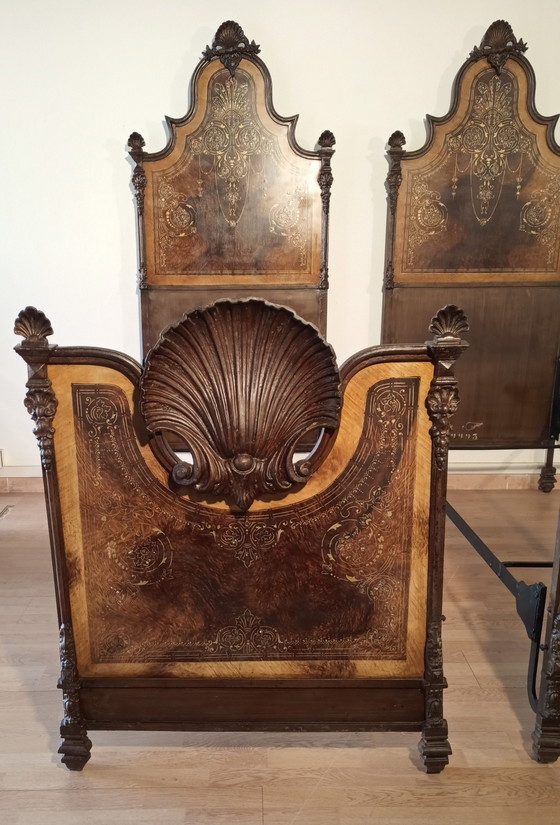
x=480 y=202
x=232 y=201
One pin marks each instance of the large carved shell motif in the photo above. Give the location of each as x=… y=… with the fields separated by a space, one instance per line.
x=241 y=382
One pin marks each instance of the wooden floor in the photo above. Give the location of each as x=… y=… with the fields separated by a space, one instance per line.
x=282 y=778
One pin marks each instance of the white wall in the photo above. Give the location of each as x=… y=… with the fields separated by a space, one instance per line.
x=77 y=77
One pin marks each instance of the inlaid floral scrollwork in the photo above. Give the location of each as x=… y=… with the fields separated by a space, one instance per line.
x=284 y=219
x=231 y=141
x=540 y=217
x=248 y=539
x=148 y=561
x=493 y=142
x=428 y=216
x=248 y=637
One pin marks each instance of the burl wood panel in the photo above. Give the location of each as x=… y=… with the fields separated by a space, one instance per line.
x=232 y=201
x=329 y=582
x=474 y=220
x=482 y=203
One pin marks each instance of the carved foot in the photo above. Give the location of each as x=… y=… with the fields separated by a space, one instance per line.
x=547 y=479
x=75 y=751
x=546 y=744
x=435 y=752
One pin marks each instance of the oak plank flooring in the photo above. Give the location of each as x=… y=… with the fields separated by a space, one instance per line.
x=266 y=778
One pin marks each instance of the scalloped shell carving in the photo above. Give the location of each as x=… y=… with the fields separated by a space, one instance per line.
x=397 y=140
x=326 y=139
x=241 y=382
x=230 y=44
x=33 y=325
x=499 y=35
x=449 y=322
x=498 y=43
x=230 y=35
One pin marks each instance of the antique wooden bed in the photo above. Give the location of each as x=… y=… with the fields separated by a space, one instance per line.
x=238 y=586
x=232 y=206
x=474 y=219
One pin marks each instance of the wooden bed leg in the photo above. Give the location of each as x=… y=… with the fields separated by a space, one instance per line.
x=547 y=478
x=75 y=748
x=546 y=740
x=546 y=736
x=434 y=745
x=76 y=745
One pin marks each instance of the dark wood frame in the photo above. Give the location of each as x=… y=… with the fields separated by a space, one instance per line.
x=248 y=704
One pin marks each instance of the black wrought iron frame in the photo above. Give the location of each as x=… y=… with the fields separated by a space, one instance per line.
x=530 y=599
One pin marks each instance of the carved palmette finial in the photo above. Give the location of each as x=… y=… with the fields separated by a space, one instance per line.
x=498 y=44
x=34 y=326
x=230 y=45
x=40 y=400
x=326 y=140
x=449 y=322
x=443 y=397
x=241 y=382
x=136 y=145
x=397 y=140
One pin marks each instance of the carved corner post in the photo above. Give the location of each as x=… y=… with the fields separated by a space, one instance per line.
x=393 y=182
x=546 y=736
x=136 y=144
x=41 y=403
x=442 y=401
x=325 y=149
x=76 y=745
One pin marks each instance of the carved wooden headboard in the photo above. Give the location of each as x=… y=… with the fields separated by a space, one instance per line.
x=232 y=207
x=474 y=220
x=239 y=586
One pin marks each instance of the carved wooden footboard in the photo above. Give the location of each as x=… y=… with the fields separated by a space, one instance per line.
x=237 y=586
